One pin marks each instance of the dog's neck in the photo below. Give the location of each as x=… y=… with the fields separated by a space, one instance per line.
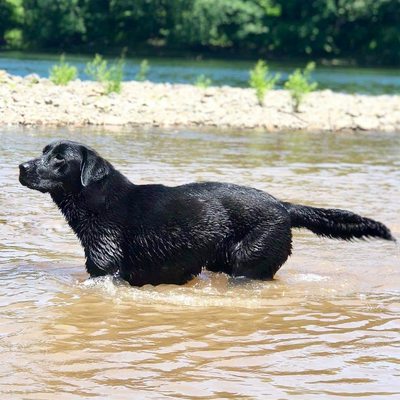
x=89 y=202
x=72 y=206
x=84 y=211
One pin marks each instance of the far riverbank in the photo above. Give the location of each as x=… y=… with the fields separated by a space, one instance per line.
x=37 y=101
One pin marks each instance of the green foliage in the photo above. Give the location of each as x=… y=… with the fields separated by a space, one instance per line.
x=7 y=16
x=63 y=73
x=11 y=18
x=367 y=30
x=34 y=80
x=261 y=80
x=202 y=81
x=53 y=23
x=110 y=76
x=299 y=84
x=223 y=23
x=143 y=71
x=14 y=39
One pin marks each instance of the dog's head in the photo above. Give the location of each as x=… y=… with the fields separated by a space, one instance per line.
x=64 y=165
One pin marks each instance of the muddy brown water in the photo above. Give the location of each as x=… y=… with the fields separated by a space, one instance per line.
x=327 y=327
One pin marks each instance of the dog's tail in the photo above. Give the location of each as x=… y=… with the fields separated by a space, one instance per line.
x=338 y=224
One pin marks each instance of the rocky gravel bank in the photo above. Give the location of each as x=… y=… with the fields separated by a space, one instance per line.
x=37 y=101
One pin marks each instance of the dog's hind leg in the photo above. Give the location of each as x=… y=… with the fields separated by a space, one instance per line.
x=262 y=251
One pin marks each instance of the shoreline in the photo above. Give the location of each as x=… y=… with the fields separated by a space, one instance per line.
x=34 y=101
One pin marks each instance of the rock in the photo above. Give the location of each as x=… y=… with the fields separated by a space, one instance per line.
x=366 y=123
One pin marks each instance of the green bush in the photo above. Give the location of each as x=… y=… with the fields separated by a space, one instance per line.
x=261 y=80
x=14 y=39
x=53 y=24
x=299 y=84
x=110 y=76
x=63 y=73
x=203 y=81
x=7 y=17
x=143 y=71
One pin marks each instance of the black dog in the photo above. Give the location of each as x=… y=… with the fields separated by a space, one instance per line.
x=158 y=234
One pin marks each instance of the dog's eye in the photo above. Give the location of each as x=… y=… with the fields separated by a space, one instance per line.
x=58 y=158
x=46 y=149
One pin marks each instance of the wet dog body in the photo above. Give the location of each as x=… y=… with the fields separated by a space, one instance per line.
x=152 y=234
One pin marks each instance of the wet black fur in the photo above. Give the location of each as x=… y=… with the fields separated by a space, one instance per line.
x=159 y=234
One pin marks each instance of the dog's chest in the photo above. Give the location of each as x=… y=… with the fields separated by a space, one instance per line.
x=99 y=234
x=101 y=240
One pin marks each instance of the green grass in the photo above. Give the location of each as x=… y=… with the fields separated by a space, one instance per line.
x=261 y=80
x=110 y=76
x=63 y=73
x=202 y=81
x=144 y=68
x=299 y=85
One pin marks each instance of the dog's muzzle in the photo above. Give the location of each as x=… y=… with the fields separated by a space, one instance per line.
x=24 y=170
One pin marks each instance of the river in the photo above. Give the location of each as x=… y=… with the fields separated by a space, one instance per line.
x=221 y=72
x=327 y=327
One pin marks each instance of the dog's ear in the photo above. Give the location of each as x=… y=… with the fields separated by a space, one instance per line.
x=93 y=167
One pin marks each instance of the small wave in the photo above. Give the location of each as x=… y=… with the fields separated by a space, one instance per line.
x=312 y=278
x=207 y=290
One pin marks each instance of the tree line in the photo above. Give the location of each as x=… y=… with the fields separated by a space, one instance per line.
x=363 y=30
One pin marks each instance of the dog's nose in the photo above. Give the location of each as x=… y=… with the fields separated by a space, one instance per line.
x=24 y=167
